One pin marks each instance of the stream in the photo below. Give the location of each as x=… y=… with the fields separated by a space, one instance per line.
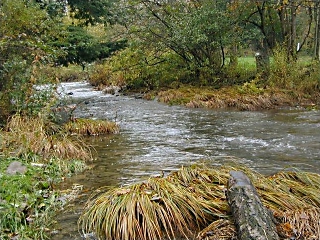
x=156 y=138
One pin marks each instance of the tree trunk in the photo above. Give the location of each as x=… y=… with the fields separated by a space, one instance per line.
x=317 y=33
x=234 y=56
x=262 y=59
x=293 y=33
x=253 y=221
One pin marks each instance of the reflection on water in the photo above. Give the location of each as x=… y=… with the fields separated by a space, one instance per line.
x=155 y=137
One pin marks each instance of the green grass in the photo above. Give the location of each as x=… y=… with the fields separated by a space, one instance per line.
x=28 y=201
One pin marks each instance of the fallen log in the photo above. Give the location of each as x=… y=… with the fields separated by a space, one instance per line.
x=251 y=218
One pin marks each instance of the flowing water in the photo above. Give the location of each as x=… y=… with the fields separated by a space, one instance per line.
x=158 y=138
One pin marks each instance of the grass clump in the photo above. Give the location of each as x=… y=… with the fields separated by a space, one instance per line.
x=25 y=135
x=192 y=202
x=158 y=208
x=91 y=127
x=28 y=199
x=245 y=97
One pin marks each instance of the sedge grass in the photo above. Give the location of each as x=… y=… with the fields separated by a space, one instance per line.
x=26 y=135
x=245 y=97
x=192 y=200
x=91 y=127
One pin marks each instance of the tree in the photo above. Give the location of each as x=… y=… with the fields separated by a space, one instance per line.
x=276 y=22
x=81 y=47
x=92 y=11
x=316 y=42
x=24 y=31
x=197 y=31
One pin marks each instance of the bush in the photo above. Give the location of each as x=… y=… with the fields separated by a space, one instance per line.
x=140 y=69
x=102 y=74
x=301 y=77
x=23 y=52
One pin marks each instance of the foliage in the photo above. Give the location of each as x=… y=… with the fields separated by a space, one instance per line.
x=81 y=47
x=250 y=88
x=196 y=34
x=72 y=73
x=140 y=68
x=239 y=73
x=203 y=34
x=190 y=199
x=24 y=32
x=99 y=11
x=28 y=201
x=103 y=75
x=300 y=77
x=56 y=9
x=30 y=38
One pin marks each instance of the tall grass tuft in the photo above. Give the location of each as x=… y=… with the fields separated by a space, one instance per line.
x=193 y=200
x=161 y=207
x=26 y=135
x=91 y=127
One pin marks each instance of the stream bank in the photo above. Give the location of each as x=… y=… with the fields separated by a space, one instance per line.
x=156 y=138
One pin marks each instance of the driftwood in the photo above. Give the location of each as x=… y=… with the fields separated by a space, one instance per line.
x=252 y=219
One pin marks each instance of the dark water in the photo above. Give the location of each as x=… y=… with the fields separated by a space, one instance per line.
x=155 y=137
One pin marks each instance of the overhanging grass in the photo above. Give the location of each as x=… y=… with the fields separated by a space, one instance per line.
x=91 y=127
x=193 y=200
x=25 y=135
x=245 y=97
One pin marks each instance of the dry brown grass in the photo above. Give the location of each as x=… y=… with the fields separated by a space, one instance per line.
x=229 y=97
x=91 y=127
x=24 y=135
x=193 y=200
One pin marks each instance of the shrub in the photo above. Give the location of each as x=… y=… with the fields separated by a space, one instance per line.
x=140 y=69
